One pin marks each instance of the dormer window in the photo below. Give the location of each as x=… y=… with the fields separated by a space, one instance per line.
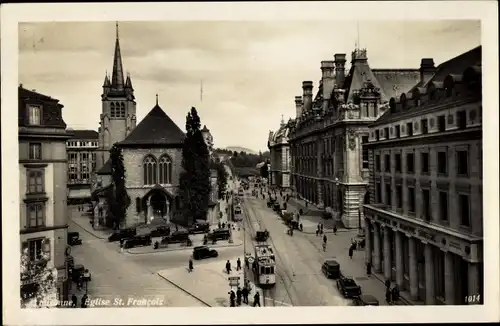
x=34 y=115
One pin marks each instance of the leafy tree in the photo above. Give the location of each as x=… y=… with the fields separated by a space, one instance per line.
x=195 y=179
x=38 y=283
x=221 y=179
x=118 y=174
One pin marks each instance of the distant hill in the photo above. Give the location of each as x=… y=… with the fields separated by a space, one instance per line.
x=241 y=149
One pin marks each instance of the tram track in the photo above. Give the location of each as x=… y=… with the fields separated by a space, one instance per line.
x=284 y=276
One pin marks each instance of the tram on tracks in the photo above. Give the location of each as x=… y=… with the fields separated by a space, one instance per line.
x=264 y=265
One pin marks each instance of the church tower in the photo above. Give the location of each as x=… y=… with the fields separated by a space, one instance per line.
x=118 y=116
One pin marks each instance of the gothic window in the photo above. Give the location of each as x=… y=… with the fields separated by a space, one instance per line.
x=165 y=170
x=122 y=110
x=149 y=167
x=113 y=110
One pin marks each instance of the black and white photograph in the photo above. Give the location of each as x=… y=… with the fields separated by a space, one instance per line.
x=249 y=156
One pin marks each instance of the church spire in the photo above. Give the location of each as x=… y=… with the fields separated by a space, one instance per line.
x=117 y=80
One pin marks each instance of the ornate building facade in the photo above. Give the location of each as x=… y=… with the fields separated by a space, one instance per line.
x=424 y=221
x=280 y=161
x=43 y=184
x=329 y=168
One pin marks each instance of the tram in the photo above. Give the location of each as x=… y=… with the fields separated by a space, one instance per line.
x=264 y=265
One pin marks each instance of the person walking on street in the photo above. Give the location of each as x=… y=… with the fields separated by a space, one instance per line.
x=232 y=298
x=351 y=251
x=335 y=229
x=84 y=300
x=238 y=296
x=368 y=269
x=388 y=295
x=228 y=267
x=244 y=293
x=238 y=264
x=321 y=228
x=190 y=265
x=74 y=301
x=256 y=299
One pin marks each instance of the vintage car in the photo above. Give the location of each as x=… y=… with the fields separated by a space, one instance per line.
x=160 y=231
x=331 y=268
x=137 y=241
x=203 y=252
x=199 y=227
x=74 y=239
x=348 y=287
x=365 y=300
x=219 y=234
x=122 y=234
x=175 y=237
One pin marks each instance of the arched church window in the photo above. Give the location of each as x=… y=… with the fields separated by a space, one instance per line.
x=122 y=110
x=165 y=170
x=149 y=167
x=112 y=109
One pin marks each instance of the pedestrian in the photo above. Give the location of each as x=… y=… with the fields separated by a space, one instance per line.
x=244 y=293
x=232 y=298
x=324 y=239
x=317 y=232
x=223 y=225
x=85 y=298
x=307 y=204
x=228 y=267
x=238 y=296
x=335 y=229
x=321 y=227
x=190 y=265
x=301 y=227
x=387 y=283
x=219 y=225
x=351 y=251
x=238 y=264
x=368 y=269
x=256 y=299
x=74 y=301
x=388 y=295
x=395 y=293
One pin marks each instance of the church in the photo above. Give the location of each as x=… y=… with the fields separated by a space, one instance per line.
x=152 y=153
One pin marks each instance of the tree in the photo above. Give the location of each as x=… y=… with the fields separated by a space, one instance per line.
x=221 y=179
x=38 y=283
x=195 y=179
x=118 y=174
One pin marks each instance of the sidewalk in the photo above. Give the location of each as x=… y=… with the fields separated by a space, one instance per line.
x=83 y=221
x=338 y=248
x=208 y=282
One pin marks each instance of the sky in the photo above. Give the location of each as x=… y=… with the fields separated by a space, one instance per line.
x=251 y=71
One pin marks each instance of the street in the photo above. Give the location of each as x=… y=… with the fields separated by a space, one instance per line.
x=300 y=281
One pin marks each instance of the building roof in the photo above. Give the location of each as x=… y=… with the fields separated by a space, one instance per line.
x=106 y=168
x=396 y=81
x=155 y=129
x=83 y=134
x=51 y=112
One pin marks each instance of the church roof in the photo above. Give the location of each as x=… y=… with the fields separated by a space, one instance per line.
x=155 y=129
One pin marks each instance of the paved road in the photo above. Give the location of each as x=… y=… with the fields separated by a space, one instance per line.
x=118 y=276
x=300 y=281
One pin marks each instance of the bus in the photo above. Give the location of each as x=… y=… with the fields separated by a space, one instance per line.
x=264 y=265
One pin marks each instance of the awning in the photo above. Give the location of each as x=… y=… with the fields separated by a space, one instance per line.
x=79 y=193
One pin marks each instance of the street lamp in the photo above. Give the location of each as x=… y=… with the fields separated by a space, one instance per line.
x=338 y=198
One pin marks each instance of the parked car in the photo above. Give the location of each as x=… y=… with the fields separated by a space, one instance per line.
x=219 y=234
x=137 y=241
x=74 y=239
x=199 y=227
x=331 y=268
x=203 y=252
x=122 y=234
x=176 y=237
x=160 y=231
x=77 y=271
x=348 y=287
x=365 y=300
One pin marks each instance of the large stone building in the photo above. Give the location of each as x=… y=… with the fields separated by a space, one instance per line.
x=43 y=183
x=118 y=117
x=328 y=166
x=424 y=216
x=82 y=164
x=279 y=149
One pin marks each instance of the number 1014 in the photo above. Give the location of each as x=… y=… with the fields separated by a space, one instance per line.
x=473 y=298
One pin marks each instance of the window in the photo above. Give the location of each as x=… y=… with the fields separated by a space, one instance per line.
x=462 y=163
x=138 y=204
x=411 y=199
x=398 y=131
x=35 y=249
x=122 y=110
x=410 y=163
x=35 y=151
x=36 y=182
x=461 y=120
x=425 y=162
x=365 y=155
x=464 y=209
x=441 y=123
x=112 y=110
x=378 y=192
x=409 y=127
x=399 y=196
x=386 y=133
x=387 y=163
x=165 y=170
x=443 y=206
x=377 y=134
x=84 y=156
x=426 y=201
x=425 y=127
x=34 y=115
x=388 y=199
x=377 y=163
x=442 y=163
x=397 y=160
x=36 y=215
x=149 y=171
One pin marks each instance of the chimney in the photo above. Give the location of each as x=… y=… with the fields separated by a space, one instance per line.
x=339 y=69
x=328 y=78
x=307 y=87
x=298 y=106
x=427 y=70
